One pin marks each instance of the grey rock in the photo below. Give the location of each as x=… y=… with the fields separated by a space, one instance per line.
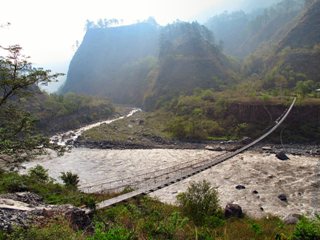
x=233 y=210
x=266 y=148
x=240 y=187
x=78 y=219
x=25 y=197
x=214 y=148
x=283 y=197
x=282 y=156
x=246 y=140
x=292 y=219
x=35 y=211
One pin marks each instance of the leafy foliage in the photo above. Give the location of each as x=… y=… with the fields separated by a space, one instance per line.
x=199 y=201
x=115 y=233
x=57 y=113
x=18 y=80
x=37 y=181
x=70 y=179
x=39 y=173
x=307 y=229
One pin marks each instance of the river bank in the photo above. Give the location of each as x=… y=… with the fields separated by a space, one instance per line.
x=263 y=176
x=109 y=164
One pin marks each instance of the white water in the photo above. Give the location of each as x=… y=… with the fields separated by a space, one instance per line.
x=62 y=138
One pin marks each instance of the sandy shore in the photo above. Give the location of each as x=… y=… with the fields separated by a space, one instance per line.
x=297 y=178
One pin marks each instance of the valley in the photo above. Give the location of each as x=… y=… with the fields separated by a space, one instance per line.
x=192 y=129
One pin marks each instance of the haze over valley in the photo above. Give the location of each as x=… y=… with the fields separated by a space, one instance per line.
x=160 y=119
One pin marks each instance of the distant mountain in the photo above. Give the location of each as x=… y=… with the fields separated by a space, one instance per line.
x=143 y=63
x=114 y=62
x=242 y=33
x=296 y=57
x=306 y=33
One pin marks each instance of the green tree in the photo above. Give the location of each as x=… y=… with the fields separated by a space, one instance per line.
x=70 y=179
x=18 y=81
x=303 y=88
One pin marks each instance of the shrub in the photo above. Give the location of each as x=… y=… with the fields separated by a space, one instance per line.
x=114 y=233
x=70 y=179
x=199 y=201
x=307 y=229
x=169 y=226
x=89 y=202
x=56 y=229
x=12 y=182
x=39 y=173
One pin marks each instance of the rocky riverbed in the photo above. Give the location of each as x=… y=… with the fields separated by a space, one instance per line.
x=257 y=180
x=268 y=185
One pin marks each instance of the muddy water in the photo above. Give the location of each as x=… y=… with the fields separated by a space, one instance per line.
x=298 y=177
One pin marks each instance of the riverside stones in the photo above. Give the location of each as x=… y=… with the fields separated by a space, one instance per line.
x=240 y=187
x=283 y=197
x=25 y=209
x=233 y=210
x=282 y=156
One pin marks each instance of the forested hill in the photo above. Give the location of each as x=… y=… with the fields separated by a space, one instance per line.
x=241 y=33
x=306 y=33
x=114 y=61
x=146 y=65
x=188 y=59
x=144 y=62
x=295 y=59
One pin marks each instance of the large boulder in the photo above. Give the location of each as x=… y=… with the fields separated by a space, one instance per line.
x=233 y=210
x=282 y=156
x=240 y=187
x=292 y=219
x=283 y=197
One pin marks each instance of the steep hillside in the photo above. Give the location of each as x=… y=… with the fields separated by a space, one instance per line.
x=307 y=32
x=242 y=33
x=297 y=56
x=188 y=59
x=144 y=63
x=114 y=59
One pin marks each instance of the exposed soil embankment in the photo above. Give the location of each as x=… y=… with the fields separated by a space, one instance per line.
x=148 y=131
x=301 y=126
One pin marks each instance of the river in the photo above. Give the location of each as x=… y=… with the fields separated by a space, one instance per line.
x=261 y=172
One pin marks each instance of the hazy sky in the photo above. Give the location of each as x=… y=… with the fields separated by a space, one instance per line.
x=47 y=29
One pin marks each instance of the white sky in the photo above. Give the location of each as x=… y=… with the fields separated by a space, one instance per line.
x=47 y=29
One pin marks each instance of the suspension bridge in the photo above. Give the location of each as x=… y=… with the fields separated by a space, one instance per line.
x=153 y=181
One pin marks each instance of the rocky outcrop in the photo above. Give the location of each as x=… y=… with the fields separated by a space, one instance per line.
x=25 y=209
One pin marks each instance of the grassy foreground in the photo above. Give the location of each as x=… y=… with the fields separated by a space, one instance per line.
x=146 y=218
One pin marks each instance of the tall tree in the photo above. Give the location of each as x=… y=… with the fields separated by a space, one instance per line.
x=18 y=82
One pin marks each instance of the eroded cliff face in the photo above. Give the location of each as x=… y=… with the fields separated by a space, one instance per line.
x=114 y=62
x=302 y=124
